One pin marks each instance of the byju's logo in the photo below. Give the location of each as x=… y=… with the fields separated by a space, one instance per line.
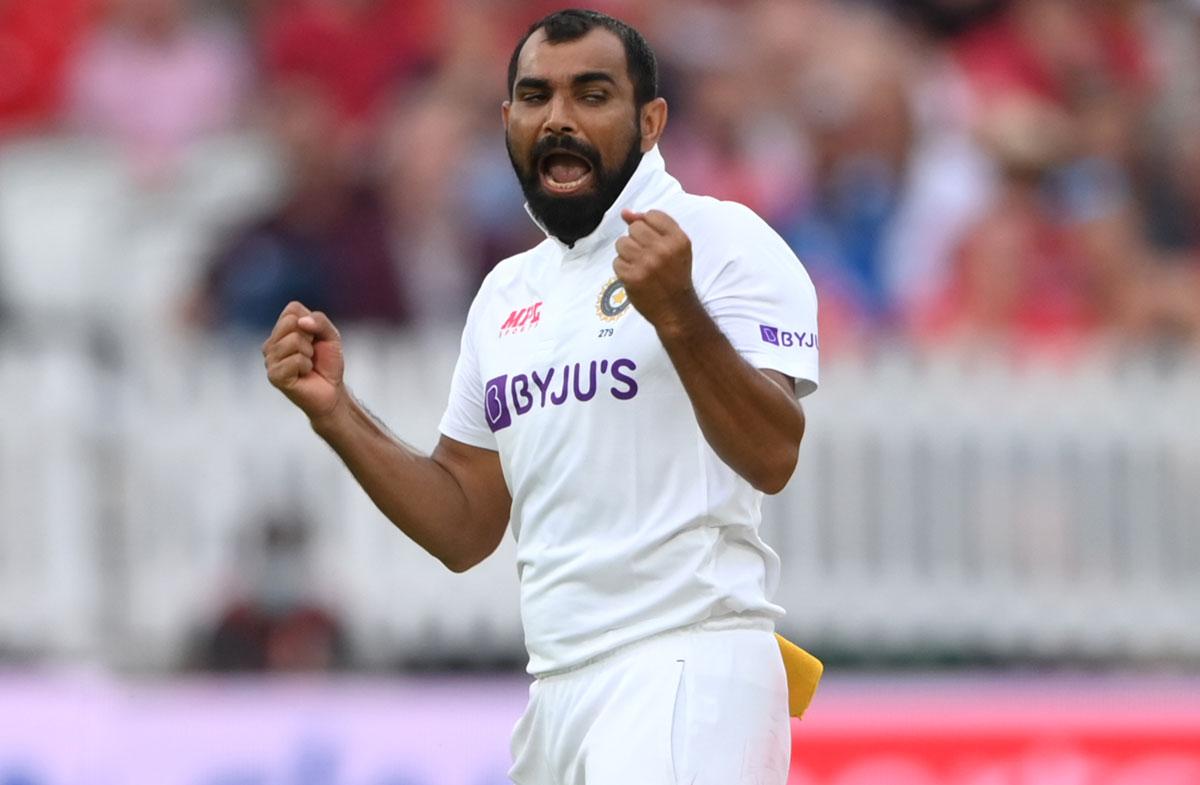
x=788 y=338
x=553 y=387
x=495 y=403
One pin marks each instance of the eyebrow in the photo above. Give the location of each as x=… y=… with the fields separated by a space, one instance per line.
x=587 y=77
x=532 y=83
x=593 y=76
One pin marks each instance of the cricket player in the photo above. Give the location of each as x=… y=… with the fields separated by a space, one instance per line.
x=626 y=392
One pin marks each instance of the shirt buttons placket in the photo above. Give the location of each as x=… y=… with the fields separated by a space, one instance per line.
x=553 y=310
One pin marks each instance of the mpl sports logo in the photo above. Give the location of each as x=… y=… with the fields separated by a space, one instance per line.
x=521 y=320
x=507 y=397
x=788 y=338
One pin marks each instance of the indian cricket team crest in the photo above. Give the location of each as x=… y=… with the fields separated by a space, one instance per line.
x=613 y=300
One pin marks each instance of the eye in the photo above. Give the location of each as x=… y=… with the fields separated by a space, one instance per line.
x=595 y=98
x=533 y=98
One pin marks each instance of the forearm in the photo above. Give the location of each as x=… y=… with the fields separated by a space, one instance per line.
x=751 y=422
x=417 y=493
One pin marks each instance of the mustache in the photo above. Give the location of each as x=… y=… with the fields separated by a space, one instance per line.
x=565 y=144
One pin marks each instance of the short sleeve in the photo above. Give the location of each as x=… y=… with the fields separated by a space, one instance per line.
x=764 y=302
x=465 y=419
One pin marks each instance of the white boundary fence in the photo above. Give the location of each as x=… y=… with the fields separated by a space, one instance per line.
x=939 y=505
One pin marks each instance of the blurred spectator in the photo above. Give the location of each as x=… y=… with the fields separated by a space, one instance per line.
x=428 y=198
x=276 y=625
x=327 y=244
x=713 y=150
x=38 y=39
x=154 y=77
x=946 y=18
x=852 y=104
x=357 y=51
x=729 y=136
x=1052 y=260
x=1169 y=180
x=1056 y=50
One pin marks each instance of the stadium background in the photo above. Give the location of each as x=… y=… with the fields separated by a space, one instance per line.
x=993 y=537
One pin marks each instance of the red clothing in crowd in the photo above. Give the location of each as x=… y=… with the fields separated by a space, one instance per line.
x=38 y=38
x=1003 y=58
x=357 y=52
x=1020 y=276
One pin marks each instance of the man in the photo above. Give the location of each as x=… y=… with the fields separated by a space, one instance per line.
x=625 y=393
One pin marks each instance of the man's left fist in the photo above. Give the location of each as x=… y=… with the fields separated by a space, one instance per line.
x=654 y=261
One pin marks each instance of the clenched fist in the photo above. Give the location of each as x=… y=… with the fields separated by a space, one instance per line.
x=303 y=357
x=654 y=261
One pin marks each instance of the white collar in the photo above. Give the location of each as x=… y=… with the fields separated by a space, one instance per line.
x=648 y=185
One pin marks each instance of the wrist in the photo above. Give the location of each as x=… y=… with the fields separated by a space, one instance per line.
x=687 y=318
x=327 y=424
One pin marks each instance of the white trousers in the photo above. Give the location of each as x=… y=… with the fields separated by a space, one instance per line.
x=697 y=706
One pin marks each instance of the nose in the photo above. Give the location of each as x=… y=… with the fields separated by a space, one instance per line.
x=559 y=120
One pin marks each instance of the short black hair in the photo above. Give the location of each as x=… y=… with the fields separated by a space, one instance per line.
x=574 y=23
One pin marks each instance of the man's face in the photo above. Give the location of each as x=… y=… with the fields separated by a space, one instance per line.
x=573 y=130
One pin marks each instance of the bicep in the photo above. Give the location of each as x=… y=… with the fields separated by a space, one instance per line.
x=478 y=474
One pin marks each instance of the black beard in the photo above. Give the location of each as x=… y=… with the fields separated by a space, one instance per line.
x=571 y=217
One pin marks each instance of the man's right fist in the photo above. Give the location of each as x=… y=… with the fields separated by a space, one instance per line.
x=303 y=357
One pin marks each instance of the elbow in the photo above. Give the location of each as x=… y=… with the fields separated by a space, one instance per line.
x=459 y=563
x=773 y=475
x=470 y=553
x=771 y=486
x=777 y=464
x=466 y=557
x=771 y=483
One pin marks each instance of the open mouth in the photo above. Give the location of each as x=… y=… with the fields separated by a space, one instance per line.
x=564 y=173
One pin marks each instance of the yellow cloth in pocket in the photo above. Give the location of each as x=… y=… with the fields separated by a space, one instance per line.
x=803 y=674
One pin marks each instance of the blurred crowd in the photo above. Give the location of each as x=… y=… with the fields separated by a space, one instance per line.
x=1023 y=171
x=270 y=618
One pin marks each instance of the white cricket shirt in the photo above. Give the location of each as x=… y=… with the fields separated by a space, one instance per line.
x=627 y=523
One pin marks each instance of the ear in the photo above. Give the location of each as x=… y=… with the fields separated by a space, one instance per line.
x=504 y=107
x=653 y=122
